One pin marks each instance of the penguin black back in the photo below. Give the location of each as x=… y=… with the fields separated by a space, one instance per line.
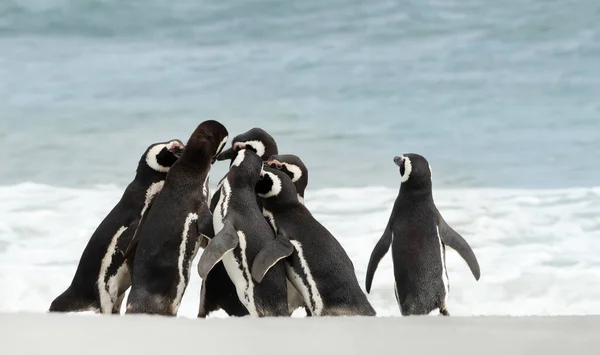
x=168 y=240
x=418 y=236
x=245 y=169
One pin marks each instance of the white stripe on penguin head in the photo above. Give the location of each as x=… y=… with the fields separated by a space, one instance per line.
x=407 y=169
x=256 y=145
x=221 y=145
x=239 y=158
x=152 y=161
x=295 y=170
x=275 y=189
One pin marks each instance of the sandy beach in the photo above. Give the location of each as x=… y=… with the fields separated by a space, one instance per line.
x=27 y=333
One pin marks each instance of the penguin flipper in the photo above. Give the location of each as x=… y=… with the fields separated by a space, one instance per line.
x=277 y=249
x=381 y=248
x=225 y=241
x=454 y=240
x=205 y=227
x=227 y=154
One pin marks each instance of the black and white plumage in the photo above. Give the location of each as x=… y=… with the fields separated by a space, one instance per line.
x=102 y=275
x=316 y=263
x=168 y=239
x=241 y=232
x=294 y=167
x=418 y=236
x=217 y=290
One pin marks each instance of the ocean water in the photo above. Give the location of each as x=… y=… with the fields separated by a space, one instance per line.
x=502 y=99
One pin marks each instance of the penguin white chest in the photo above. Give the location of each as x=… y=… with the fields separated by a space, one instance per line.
x=239 y=272
x=183 y=262
x=237 y=268
x=108 y=285
x=444 y=275
x=304 y=282
x=222 y=206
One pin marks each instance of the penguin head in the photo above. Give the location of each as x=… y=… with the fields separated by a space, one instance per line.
x=256 y=139
x=209 y=138
x=293 y=166
x=245 y=168
x=161 y=156
x=414 y=170
x=275 y=184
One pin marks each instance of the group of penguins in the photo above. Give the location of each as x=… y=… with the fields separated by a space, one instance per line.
x=264 y=253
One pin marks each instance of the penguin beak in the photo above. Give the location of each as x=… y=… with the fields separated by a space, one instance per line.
x=226 y=154
x=399 y=161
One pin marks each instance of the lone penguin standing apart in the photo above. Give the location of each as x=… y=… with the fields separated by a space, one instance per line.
x=102 y=276
x=419 y=235
x=168 y=239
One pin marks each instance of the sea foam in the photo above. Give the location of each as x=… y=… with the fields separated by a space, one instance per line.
x=539 y=250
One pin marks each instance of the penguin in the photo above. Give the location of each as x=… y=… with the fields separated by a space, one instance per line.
x=241 y=231
x=418 y=235
x=102 y=275
x=295 y=168
x=256 y=139
x=315 y=262
x=217 y=290
x=168 y=239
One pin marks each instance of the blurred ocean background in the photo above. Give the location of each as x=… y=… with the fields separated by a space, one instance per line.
x=502 y=98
